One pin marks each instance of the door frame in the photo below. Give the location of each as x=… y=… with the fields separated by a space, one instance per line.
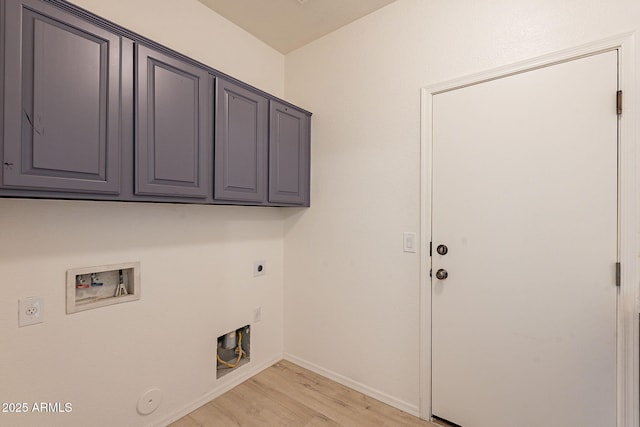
x=628 y=341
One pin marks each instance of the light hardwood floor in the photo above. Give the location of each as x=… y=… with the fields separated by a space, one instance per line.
x=288 y=395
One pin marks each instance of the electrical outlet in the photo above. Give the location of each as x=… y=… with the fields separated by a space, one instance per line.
x=257 y=314
x=259 y=268
x=30 y=311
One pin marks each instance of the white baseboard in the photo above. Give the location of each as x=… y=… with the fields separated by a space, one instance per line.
x=371 y=392
x=206 y=398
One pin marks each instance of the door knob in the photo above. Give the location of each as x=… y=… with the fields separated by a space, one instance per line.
x=442 y=249
x=442 y=274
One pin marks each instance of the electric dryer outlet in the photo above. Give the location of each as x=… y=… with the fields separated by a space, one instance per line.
x=259 y=268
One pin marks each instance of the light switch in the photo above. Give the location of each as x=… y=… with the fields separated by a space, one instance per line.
x=409 y=241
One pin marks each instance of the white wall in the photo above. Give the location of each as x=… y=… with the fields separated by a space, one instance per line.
x=351 y=294
x=196 y=264
x=191 y=28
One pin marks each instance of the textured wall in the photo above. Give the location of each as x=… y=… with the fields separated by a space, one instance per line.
x=196 y=264
x=351 y=294
x=196 y=31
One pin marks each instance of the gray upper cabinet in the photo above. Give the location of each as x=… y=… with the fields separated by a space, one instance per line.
x=61 y=102
x=173 y=137
x=240 y=144
x=90 y=110
x=288 y=155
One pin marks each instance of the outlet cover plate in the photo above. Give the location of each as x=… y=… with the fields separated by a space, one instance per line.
x=30 y=311
x=257 y=314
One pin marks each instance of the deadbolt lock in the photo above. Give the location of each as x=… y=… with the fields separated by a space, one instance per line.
x=442 y=249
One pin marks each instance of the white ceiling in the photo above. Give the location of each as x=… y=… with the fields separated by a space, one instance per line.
x=288 y=24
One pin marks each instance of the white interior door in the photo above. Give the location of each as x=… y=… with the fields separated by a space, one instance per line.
x=525 y=198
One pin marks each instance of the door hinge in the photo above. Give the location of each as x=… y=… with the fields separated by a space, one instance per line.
x=430 y=248
x=619 y=102
x=618 y=273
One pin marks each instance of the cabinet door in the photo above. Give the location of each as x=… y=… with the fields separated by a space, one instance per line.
x=173 y=144
x=61 y=101
x=241 y=144
x=288 y=155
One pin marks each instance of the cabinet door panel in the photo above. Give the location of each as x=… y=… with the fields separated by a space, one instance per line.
x=75 y=128
x=62 y=101
x=173 y=143
x=288 y=155
x=241 y=144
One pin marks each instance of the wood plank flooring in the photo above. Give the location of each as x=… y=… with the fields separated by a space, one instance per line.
x=288 y=395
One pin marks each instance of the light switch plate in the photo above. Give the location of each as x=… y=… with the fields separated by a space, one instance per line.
x=410 y=241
